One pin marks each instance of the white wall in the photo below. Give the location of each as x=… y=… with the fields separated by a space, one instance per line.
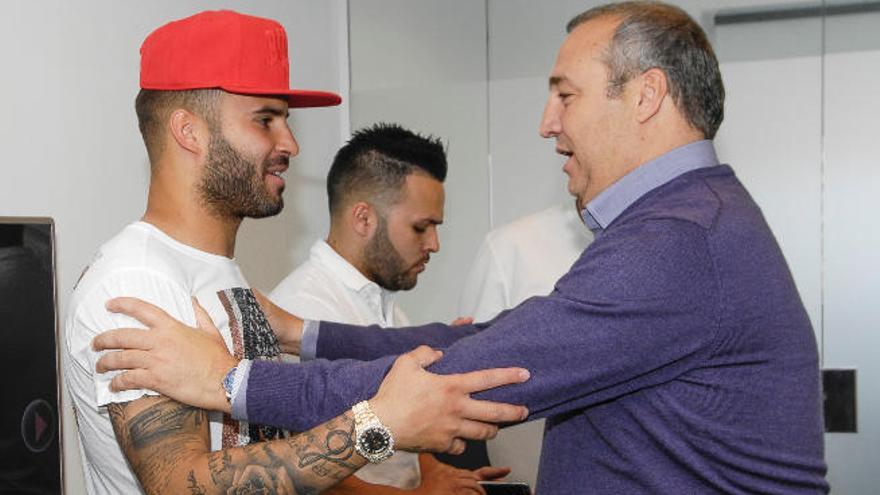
x=71 y=146
x=852 y=239
x=422 y=63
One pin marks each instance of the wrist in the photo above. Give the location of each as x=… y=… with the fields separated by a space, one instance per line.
x=216 y=395
x=290 y=335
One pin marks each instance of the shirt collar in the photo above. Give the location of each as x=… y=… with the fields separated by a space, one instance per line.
x=610 y=203
x=351 y=277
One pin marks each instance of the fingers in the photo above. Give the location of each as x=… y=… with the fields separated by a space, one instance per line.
x=456 y=447
x=476 y=430
x=490 y=473
x=122 y=360
x=423 y=355
x=492 y=412
x=133 y=379
x=121 y=338
x=477 y=381
x=203 y=319
x=138 y=309
x=462 y=320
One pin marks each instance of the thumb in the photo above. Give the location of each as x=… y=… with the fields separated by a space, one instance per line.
x=203 y=319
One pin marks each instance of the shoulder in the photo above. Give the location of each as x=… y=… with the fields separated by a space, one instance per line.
x=308 y=291
x=130 y=264
x=652 y=258
x=135 y=253
x=691 y=198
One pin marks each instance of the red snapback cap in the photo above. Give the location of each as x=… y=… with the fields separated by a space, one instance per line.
x=224 y=49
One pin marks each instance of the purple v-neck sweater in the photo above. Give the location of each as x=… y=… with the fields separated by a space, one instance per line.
x=674 y=357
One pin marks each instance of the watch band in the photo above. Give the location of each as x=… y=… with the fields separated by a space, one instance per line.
x=373 y=440
x=363 y=413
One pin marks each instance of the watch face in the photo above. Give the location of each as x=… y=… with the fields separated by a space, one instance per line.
x=374 y=440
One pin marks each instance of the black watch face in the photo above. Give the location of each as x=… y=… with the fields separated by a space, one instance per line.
x=375 y=440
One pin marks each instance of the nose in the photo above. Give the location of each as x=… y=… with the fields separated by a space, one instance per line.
x=432 y=241
x=286 y=143
x=551 y=125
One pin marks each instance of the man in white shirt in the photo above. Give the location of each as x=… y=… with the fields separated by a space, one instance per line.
x=386 y=197
x=516 y=261
x=214 y=120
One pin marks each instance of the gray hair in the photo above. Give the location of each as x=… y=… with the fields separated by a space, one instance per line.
x=657 y=35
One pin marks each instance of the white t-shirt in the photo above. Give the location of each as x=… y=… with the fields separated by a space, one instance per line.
x=329 y=288
x=144 y=262
x=519 y=260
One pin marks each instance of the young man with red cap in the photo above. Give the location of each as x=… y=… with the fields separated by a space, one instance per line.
x=213 y=114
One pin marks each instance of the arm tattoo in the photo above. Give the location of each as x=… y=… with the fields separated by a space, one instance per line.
x=157 y=439
x=168 y=445
x=160 y=423
x=194 y=487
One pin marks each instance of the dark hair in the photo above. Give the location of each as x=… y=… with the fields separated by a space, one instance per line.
x=656 y=35
x=376 y=160
x=154 y=107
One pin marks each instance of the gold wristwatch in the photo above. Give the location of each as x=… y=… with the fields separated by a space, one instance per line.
x=373 y=440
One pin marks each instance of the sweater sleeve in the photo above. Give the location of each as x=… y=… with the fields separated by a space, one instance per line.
x=640 y=309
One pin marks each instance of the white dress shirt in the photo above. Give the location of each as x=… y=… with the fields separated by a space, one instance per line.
x=329 y=288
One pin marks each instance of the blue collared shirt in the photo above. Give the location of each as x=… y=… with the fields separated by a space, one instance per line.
x=610 y=203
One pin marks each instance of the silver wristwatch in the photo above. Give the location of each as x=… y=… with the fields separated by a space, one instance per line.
x=373 y=440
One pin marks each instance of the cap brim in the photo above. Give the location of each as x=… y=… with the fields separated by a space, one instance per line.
x=296 y=98
x=303 y=98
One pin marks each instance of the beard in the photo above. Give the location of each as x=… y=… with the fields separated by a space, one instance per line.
x=233 y=186
x=384 y=264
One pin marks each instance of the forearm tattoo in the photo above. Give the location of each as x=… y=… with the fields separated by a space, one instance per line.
x=168 y=446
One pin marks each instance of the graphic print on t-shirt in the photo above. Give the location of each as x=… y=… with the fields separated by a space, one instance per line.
x=252 y=338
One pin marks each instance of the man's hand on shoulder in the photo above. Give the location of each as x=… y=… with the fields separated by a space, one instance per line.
x=429 y=412
x=184 y=363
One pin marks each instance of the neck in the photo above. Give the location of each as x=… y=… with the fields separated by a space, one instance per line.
x=351 y=250
x=666 y=138
x=182 y=216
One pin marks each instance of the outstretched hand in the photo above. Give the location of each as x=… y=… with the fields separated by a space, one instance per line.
x=185 y=363
x=429 y=412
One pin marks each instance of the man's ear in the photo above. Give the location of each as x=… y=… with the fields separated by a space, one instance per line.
x=364 y=219
x=653 y=89
x=189 y=131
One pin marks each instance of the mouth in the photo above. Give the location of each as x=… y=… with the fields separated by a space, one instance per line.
x=563 y=151
x=568 y=154
x=421 y=265
x=276 y=169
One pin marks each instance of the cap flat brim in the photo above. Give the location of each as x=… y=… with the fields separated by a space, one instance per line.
x=303 y=98
x=296 y=98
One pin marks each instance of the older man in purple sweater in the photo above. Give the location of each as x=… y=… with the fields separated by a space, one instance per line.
x=675 y=356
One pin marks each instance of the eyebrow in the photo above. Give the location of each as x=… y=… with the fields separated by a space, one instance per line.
x=278 y=112
x=556 y=80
